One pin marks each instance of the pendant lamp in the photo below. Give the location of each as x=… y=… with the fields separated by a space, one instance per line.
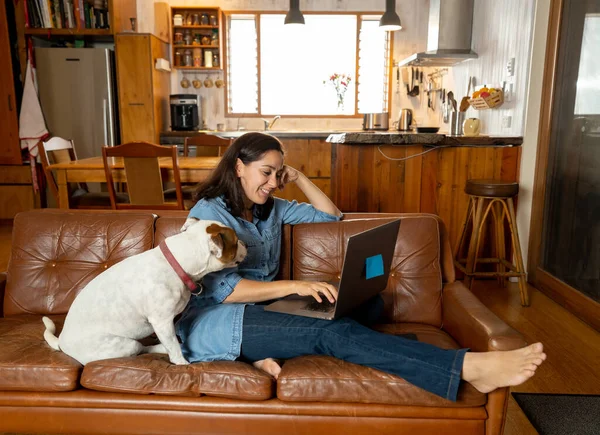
x=390 y=20
x=294 y=16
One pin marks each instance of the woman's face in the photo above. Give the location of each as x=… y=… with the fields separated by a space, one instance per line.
x=260 y=178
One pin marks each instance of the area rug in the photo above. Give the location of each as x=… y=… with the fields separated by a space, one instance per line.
x=561 y=414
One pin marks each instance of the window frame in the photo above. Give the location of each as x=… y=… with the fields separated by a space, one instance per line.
x=257 y=14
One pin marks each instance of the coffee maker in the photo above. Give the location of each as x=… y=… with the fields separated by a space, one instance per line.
x=185 y=112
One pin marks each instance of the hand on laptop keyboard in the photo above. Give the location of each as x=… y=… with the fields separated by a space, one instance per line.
x=323 y=307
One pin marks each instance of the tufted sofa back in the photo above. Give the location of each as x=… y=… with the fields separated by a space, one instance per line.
x=56 y=253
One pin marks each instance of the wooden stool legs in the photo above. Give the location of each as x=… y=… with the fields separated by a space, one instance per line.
x=477 y=213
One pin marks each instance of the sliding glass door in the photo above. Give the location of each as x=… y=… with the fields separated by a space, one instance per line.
x=566 y=248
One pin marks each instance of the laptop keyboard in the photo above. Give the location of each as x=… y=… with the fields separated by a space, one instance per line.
x=323 y=307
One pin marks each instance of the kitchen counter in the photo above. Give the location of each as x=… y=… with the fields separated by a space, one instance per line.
x=359 y=137
x=401 y=138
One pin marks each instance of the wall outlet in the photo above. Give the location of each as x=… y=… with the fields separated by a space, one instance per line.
x=506 y=121
x=510 y=67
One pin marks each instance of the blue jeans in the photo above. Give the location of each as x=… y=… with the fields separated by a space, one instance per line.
x=284 y=336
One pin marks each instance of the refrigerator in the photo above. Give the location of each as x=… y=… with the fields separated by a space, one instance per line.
x=77 y=90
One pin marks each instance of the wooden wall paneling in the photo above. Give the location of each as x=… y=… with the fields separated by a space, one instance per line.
x=346 y=175
x=319 y=159
x=121 y=12
x=162 y=21
x=429 y=182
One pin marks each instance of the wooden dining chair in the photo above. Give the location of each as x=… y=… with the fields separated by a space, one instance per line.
x=142 y=174
x=59 y=150
x=206 y=145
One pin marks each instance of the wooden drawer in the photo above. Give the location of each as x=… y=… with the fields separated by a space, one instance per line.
x=15 y=174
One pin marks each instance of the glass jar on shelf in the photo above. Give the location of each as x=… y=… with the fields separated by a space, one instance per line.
x=197 y=39
x=178 y=20
x=178 y=59
x=215 y=60
x=187 y=58
x=187 y=37
x=213 y=20
x=205 y=40
x=204 y=20
x=214 y=39
x=187 y=17
x=195 y=19
x=197 y=57
x=178 y=38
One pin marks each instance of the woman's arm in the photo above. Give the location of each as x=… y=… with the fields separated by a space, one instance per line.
x=258 y=291
x=315 y=196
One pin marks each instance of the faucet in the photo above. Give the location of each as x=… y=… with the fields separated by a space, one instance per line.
x=270 y=124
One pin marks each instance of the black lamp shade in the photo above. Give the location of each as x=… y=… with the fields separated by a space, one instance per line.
x=294 y=16
x=390 y=20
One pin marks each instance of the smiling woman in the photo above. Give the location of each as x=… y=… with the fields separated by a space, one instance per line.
x=295 y=61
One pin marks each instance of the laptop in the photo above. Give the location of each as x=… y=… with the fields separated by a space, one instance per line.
x=365 y=273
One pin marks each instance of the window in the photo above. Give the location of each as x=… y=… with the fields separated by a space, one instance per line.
x=288 y=74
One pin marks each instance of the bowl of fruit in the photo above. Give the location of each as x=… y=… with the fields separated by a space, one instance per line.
x=486 y=98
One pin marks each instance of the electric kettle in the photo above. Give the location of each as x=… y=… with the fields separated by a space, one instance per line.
x=405 y=120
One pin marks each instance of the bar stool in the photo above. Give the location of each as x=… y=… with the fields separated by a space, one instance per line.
x=495 y=197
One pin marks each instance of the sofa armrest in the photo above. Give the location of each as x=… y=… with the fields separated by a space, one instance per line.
x=2 y=287
x=473 y=325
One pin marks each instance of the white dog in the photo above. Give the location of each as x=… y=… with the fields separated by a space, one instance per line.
x=142 y=294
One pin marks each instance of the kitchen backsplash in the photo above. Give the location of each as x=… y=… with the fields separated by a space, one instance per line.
x=501 y=30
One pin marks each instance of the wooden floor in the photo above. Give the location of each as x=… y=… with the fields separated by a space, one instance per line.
x=573 y=347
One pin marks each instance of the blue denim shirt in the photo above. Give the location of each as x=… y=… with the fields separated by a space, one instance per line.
x=209 y=329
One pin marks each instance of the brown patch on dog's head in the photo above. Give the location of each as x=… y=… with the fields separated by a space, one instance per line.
x=226 y=239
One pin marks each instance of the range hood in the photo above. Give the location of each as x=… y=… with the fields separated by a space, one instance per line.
x=448 y=35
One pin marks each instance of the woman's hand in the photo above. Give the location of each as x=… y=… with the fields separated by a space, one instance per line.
x=316 y=290
x=288 y=175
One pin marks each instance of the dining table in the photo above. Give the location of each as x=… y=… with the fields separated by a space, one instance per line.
x=91 y=170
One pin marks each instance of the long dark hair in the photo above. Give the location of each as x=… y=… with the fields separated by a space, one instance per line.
x=223 y=180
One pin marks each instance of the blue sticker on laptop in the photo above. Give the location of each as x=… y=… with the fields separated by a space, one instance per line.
x=374 y=266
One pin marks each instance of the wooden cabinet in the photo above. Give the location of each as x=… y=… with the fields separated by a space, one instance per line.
x=79 y=17
x=313 y=158
x=433 y=182
x=16 y=191
x=10 y=149
x=200 y=32
x=143 y=90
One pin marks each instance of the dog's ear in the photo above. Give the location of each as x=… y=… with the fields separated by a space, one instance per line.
x=223 y=242
x=188 y=222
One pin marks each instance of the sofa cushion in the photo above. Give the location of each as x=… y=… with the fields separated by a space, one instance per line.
x=414 y=290
x=154 y=374
x=327 y=379
x=69 y=249
x=27 y=363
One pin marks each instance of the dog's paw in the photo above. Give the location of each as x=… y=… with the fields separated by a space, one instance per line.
x=179 y=361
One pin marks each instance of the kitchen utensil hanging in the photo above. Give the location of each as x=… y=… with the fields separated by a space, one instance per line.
x=208 y=83
x=219 y=83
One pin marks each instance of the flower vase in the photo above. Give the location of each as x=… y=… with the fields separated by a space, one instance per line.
x=340 y=104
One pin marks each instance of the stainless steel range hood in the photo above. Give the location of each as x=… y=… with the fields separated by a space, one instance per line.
x=448 y=35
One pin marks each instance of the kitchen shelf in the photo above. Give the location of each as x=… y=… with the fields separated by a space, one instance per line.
x=51 y=31
x=196 y=46
x=199 y=68
x=195 y=27
x=198 y=32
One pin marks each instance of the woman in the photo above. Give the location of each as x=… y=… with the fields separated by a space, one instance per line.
x=227 y=321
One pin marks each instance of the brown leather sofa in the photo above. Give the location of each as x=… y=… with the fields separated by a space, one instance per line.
x=55 y=253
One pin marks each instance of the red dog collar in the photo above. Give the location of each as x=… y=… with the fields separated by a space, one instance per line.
x=189 y=283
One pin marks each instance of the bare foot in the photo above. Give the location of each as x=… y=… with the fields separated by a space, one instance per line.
x=487 y=371
x=268 y=365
